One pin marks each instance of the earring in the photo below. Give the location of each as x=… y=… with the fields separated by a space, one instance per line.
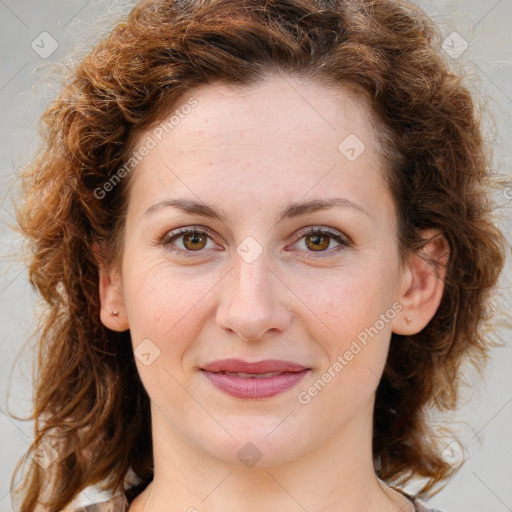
x=115 y=313
x=408 y=319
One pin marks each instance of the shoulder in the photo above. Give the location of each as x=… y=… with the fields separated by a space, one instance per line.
x=117 y=504
x=421 y=507
x=93 y=500
x=114 y=504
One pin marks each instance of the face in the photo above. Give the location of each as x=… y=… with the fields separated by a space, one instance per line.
x=260 y=227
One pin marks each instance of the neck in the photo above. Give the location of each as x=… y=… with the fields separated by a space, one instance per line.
x=337 y=475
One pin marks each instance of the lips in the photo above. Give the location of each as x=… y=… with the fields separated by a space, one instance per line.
x=262 y=379
x=257 y=368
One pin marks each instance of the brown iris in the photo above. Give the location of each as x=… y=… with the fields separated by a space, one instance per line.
x=196 y=240
x=317 y=241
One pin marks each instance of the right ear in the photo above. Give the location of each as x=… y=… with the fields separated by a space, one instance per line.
x=113 y=311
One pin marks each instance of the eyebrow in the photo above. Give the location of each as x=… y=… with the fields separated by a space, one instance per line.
x=293 y=210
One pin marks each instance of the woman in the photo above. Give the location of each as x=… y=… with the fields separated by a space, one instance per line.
x=263 y=231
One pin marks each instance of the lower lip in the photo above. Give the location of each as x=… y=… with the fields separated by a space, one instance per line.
x=242 y=387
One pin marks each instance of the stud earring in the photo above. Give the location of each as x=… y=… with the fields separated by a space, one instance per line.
x=115 y=313
x=408 y=319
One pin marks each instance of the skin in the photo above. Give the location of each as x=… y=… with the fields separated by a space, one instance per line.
x=250 y=153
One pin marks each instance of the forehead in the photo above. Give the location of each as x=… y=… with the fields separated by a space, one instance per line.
x=284 y=135
x=288 y=104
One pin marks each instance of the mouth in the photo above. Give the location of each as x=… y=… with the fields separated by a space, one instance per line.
x=256 y=368
x=252 y=375
x=262 y=379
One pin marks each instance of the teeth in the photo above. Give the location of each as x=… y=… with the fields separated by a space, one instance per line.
x=253 y=375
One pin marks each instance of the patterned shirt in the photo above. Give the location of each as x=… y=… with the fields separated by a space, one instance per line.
x=117 y=504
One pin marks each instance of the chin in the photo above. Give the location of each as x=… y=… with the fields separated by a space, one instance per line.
x=261 y=442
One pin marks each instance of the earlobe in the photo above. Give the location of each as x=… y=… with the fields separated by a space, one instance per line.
x=113 y=312
x=423 y=286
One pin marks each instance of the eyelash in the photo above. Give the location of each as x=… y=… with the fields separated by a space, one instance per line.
x=342 y=240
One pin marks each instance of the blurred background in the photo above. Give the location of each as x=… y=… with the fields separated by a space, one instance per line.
x=35 y=35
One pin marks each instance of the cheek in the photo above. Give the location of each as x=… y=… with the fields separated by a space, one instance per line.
x=166 y=312
x=165 y=305
x=352 y=325
x=345 y=303
x=353 y=332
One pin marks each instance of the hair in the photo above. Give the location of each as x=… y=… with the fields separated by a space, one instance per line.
x=89 y=402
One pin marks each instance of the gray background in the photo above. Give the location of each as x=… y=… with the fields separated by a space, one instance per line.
x=483 y=423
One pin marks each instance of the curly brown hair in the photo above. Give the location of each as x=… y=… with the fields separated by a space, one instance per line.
x=89 y=403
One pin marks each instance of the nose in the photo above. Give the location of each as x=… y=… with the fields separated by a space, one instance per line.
x=253 y=301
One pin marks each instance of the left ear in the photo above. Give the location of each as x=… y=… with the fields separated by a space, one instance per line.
x=422 y=284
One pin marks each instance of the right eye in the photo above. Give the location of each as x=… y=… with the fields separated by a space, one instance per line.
x=193 y=240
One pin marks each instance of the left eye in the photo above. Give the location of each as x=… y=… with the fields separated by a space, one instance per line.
x=319 y=240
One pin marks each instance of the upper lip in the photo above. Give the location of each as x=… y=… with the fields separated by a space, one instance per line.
x=240 y=366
